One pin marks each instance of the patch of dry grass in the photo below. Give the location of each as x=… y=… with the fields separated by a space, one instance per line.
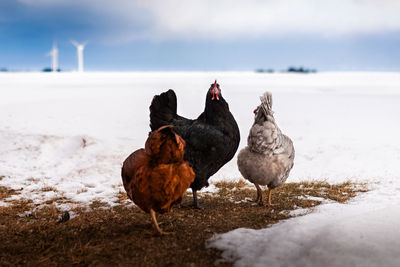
x=97 y=204
x=83 y=190
x=6 y=192
x=48 y=189
x=122 y=198
x=123 y=235
x=57 y=200
x=33 y=180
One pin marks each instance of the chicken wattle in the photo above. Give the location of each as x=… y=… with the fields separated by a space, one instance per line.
x=211 y=140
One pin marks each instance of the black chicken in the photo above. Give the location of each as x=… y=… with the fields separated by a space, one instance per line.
x=211 y=140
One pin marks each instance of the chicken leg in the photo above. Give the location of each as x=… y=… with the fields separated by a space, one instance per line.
x=269 y=204
x=259 y=198
x=154 y=220
x=259 y=195
x=195 y=201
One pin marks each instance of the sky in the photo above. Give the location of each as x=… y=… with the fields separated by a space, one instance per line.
x=205 y=35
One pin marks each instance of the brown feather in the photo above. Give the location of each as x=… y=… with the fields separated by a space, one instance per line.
x=156 y=177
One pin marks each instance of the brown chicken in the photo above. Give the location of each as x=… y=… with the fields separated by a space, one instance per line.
x=156 y=177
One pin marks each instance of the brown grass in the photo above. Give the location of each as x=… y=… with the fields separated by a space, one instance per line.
x=48 y=189
x=123 y=235
x=7 y=192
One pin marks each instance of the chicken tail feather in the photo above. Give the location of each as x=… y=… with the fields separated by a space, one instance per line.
x=266 y=103
x=162 y=109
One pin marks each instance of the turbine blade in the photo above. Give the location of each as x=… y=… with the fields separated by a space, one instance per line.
x=74 y=43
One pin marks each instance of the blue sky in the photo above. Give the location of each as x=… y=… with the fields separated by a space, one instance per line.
x=202 y=35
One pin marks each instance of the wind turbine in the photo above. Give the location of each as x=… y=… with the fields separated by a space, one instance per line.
x=79 y=52
x=54 y=57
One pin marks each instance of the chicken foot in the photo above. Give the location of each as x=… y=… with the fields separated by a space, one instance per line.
x=155 y=223
x=259 y=198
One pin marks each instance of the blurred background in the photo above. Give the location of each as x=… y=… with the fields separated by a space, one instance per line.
x=252 y=35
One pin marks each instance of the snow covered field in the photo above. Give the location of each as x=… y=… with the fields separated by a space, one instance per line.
x=72 y=131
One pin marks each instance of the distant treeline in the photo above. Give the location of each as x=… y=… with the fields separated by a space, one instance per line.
x=43 y=70
x=289 y=69
x=49 y=70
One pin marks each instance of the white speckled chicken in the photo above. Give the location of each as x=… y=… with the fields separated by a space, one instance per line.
x=268 y=157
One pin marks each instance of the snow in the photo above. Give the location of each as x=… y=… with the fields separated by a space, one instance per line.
x=72 y=131
x=362 y=233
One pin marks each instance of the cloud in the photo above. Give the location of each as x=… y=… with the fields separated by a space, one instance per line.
x=127 y=20
x=252 y=18
x=104 y=21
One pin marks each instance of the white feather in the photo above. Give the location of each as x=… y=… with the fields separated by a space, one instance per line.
x=268 y=157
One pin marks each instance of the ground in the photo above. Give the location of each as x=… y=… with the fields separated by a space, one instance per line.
x=37 y=234
x=64 y=136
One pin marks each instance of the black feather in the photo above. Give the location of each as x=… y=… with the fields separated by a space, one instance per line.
x=211 y=140
x=162 y=109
